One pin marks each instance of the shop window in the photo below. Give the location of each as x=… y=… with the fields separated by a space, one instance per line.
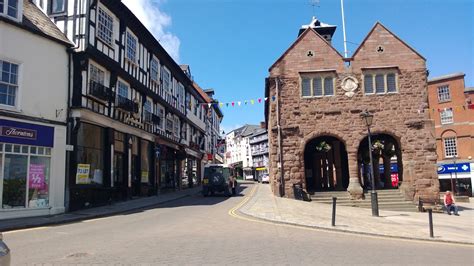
x=145 y=162
x=380 y=82
x=25 y=176
x=119 y=155
x=317 y=85
x=90 y=154
x=8 y=83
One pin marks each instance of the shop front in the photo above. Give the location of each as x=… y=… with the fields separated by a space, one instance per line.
x=169 y=164
x=109 y=165
x=32 y=168
x=191 y=169
x=457 y=177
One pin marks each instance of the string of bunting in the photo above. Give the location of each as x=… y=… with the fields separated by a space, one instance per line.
x=235 y=103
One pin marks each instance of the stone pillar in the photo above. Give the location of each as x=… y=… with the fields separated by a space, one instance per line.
x=354 y=188
x=337 y=164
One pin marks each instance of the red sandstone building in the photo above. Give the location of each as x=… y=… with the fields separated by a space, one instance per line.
x=316 y=135
x=451 y=106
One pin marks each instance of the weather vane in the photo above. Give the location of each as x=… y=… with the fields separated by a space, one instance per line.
x=314 y=3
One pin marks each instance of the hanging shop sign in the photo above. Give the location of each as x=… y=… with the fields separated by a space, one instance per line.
x=82 y=174
x=25 y=133
x=209 y=156
x=454 y=168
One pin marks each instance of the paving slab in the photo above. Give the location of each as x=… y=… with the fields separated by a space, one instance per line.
x=408 y=225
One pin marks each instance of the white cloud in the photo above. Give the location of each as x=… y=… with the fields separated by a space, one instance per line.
x=149 y=13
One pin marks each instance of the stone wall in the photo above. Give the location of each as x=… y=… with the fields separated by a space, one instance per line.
x=398 y=114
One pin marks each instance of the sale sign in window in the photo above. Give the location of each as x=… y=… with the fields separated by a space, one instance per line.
x=36 y=177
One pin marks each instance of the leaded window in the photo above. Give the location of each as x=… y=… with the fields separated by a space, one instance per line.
x=105 y=27
x=122 y=89
x=380 y=82
x=317 y=85
x=131 y=47
x=8 y=83
x=154 y=69
x=166 y=79
x=96 y=74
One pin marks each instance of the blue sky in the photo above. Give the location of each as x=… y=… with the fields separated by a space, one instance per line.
x=230 y=44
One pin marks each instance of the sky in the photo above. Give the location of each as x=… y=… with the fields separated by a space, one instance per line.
x=230 y=44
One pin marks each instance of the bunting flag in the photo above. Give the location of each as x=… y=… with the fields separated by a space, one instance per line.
x=221 y=104
x=209 y=105
x=252 y=101
x=239 y=103
x=259 y=100
x=245 y=102
x=233 y=103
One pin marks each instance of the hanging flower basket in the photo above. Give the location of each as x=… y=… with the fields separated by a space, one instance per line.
x=323 y=146
x=377 y=146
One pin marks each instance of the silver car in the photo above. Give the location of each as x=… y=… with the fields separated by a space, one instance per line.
x=4 y=253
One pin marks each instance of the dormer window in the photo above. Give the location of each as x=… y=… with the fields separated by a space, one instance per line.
x=58 y=6
x=11 y=9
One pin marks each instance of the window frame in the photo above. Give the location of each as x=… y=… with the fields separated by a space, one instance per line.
x=19 y=10
x=131 y=35
x=170 y=81
x=445 y=119
x=160 y=112
x=312 y=76
x=16 y=106
x=120 y=81
x=373 y=73
x=454 y=145
x=439 y=93
x=108 y=14
x=51 y=12
x=157 y=79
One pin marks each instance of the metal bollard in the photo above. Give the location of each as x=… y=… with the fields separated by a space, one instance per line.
x=334 y=211
x=430 y=217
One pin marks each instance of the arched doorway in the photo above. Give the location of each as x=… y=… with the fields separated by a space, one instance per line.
x=326 y=165
x=387 y=162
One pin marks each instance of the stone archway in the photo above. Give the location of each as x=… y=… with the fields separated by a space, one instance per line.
x=387 y=162
x=326 y=164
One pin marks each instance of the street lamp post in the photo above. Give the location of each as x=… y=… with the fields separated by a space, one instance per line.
x=368 y=118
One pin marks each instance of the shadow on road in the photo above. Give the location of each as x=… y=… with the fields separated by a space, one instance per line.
x=196 y=200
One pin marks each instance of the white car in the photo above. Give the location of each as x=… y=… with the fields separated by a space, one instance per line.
x=265 y=178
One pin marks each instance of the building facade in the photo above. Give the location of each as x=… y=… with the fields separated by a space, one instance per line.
x=136 y=122
x=451 y=106
x=33 y=111
x=238 y=150
x=316 y=135
x=259 y=148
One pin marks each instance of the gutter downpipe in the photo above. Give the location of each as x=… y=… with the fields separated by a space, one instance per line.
x=280 y=146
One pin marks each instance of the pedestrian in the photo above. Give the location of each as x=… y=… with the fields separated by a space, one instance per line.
x=233 y=184
x=450 y=203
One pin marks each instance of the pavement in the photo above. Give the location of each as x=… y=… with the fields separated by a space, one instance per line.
x=263 y=205
x=97 y=212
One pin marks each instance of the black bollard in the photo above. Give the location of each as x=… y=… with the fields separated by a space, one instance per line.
x=334 y=211
x=430 y=217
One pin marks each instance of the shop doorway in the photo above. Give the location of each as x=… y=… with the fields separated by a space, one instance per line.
x=326 y=165
x=387 y=162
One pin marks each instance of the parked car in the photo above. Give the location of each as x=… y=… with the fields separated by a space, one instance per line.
x=4 y=253
x=265 y=178
x=216 y=177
